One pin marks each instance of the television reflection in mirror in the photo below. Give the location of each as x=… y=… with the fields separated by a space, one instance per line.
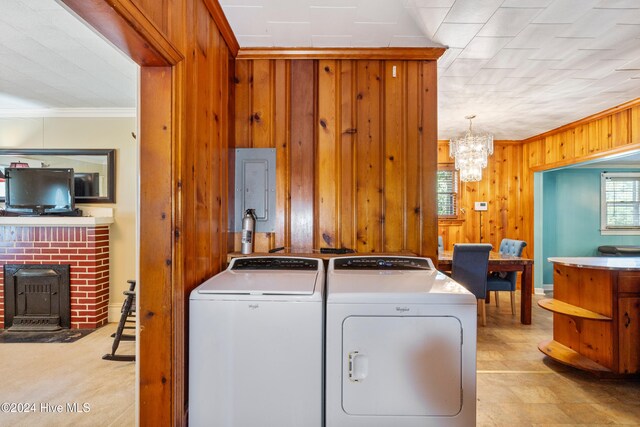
x=40 y=191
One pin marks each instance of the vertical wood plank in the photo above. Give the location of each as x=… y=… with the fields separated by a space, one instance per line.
x=327 y=158
x=394 y=156
x=262 y=104
x=348 y=128
x=302 y=154
x=620 y=128
x=368 y=146
x=412 y=180
x=242 y=103
x=282 y=145
x=428 y=160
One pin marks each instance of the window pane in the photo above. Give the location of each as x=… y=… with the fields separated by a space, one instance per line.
x=622 y=198
x=447 y=186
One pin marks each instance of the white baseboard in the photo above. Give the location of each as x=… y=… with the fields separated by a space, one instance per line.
x=548 y=287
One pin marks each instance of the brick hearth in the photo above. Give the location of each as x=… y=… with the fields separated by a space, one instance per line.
x=84 y=248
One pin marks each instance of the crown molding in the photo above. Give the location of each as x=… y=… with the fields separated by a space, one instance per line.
x=373 y=53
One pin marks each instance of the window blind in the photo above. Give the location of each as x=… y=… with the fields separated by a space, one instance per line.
x=447 y=192
x=622 y=200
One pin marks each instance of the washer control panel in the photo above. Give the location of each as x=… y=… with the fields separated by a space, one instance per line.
x=381 y=263
x=275 y=263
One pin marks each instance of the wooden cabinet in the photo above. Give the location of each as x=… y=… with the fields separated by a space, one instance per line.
x=596 y=316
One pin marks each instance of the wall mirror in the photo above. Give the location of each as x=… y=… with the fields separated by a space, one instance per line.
x=94 y=170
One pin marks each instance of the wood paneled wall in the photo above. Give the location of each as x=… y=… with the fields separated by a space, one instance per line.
x=501 y=188
x=355 y=150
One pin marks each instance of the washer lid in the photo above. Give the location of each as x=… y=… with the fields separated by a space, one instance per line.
x=260 y=282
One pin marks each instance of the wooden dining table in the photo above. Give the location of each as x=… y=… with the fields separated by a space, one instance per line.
x=500 y=262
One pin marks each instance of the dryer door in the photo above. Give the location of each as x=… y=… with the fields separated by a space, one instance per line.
x=409 y=366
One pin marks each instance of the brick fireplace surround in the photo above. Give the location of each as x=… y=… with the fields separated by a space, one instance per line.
x=84 y=247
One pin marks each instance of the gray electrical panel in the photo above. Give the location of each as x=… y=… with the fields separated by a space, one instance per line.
x=255 y=187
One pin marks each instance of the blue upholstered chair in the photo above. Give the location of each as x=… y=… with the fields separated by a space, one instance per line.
x=506 y=281
x=469 y=267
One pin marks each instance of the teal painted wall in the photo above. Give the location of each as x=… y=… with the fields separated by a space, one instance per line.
x=571 y=216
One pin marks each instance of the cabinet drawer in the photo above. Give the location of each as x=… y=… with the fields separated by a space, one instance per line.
x=628 y=282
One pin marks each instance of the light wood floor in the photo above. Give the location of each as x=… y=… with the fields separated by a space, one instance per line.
x=61 y=374
x=517 y=385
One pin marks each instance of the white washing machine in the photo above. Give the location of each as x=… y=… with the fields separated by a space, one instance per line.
x=256 y=345
x=400 y=345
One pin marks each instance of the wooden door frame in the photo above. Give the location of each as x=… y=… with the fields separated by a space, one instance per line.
x=161 y=285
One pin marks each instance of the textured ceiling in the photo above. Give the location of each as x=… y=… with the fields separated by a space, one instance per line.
x=51 y=60
x=521 y=66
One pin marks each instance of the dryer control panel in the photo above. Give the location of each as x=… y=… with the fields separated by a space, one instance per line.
x=275 y=263
x=381 y=263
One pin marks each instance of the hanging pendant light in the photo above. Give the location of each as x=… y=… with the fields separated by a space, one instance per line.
x=471 y=152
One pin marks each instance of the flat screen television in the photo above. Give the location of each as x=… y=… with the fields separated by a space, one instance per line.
x=39 y=191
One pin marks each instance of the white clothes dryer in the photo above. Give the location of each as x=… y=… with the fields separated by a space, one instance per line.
x=400 y=345
x=256 y=345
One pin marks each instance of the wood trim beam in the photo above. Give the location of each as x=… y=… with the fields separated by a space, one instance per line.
x=223 y=25
x=623 y=149
x=127 y=27
x=159 y=335
x=601 y=114
x=399 y=53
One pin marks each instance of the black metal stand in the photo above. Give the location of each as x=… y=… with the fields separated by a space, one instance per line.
x=127 y=316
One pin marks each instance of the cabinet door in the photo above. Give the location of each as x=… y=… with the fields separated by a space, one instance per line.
x=629 y=335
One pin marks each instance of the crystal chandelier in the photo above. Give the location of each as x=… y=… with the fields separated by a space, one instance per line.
x=470 y=152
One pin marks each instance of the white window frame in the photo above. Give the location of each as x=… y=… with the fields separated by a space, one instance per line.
x=604 y=229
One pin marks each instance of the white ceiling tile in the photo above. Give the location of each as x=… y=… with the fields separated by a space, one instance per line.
x=489 y=76
x=378 y=11
x=431 y=3
x=431 y=18
x=472 y=11
x=562 y=48
x=332 y=3
x=511 y=58
x=410 y=25
x=448 y=83
x=456 y=35
x=224 y=3
x=409 y=41
x=247 y=20
x=285 y=34
x=464 y=67
x=508 y=22
x=599 y=70
x=615 y=78
x=448 y=57
x=594 y=23
x=484 y=47
x=331 y=41
x=255 y=41
x=631 y=17
x=526 y=3
x=564 y=11
x=623 y=4
x=287 y=11
x=537 y=35
x=331 y=20
x=616 y=36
